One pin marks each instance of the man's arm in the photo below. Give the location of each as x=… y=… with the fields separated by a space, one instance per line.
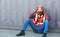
x=31 y=15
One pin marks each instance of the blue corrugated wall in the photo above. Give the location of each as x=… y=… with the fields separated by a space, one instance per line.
x=14 y=12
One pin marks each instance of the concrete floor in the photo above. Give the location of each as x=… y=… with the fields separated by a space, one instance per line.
x=12 y=33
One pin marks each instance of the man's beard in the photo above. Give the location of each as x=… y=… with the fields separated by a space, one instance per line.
x=40 y=13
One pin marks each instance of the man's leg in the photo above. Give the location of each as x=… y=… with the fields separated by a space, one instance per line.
x=32 y=25
x=45 y=28
x=26 y=23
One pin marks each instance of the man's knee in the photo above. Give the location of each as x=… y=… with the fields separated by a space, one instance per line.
x=46 y=21
x=28 y=19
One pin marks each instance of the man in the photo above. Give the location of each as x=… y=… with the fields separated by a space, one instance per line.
x=38 y=21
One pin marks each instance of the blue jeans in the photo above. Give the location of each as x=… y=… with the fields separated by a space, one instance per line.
x=35 y=28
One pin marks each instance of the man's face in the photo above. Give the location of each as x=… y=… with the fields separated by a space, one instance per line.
x=40 y=13
x=40 y=10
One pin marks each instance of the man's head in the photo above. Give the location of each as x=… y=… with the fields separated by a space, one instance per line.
x=40 y=10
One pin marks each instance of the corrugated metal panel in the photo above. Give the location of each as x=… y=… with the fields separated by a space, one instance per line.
x=14 y=12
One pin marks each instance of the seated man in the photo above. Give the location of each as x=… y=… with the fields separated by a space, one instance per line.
x=38 y=21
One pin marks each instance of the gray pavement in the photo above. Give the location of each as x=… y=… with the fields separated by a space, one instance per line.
x=12 y=33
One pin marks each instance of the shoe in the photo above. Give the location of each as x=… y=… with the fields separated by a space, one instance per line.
x=21 y=33
x=44 y=35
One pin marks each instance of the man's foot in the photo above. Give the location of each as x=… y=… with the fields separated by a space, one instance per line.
x=21 y=33
x=44 y=35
